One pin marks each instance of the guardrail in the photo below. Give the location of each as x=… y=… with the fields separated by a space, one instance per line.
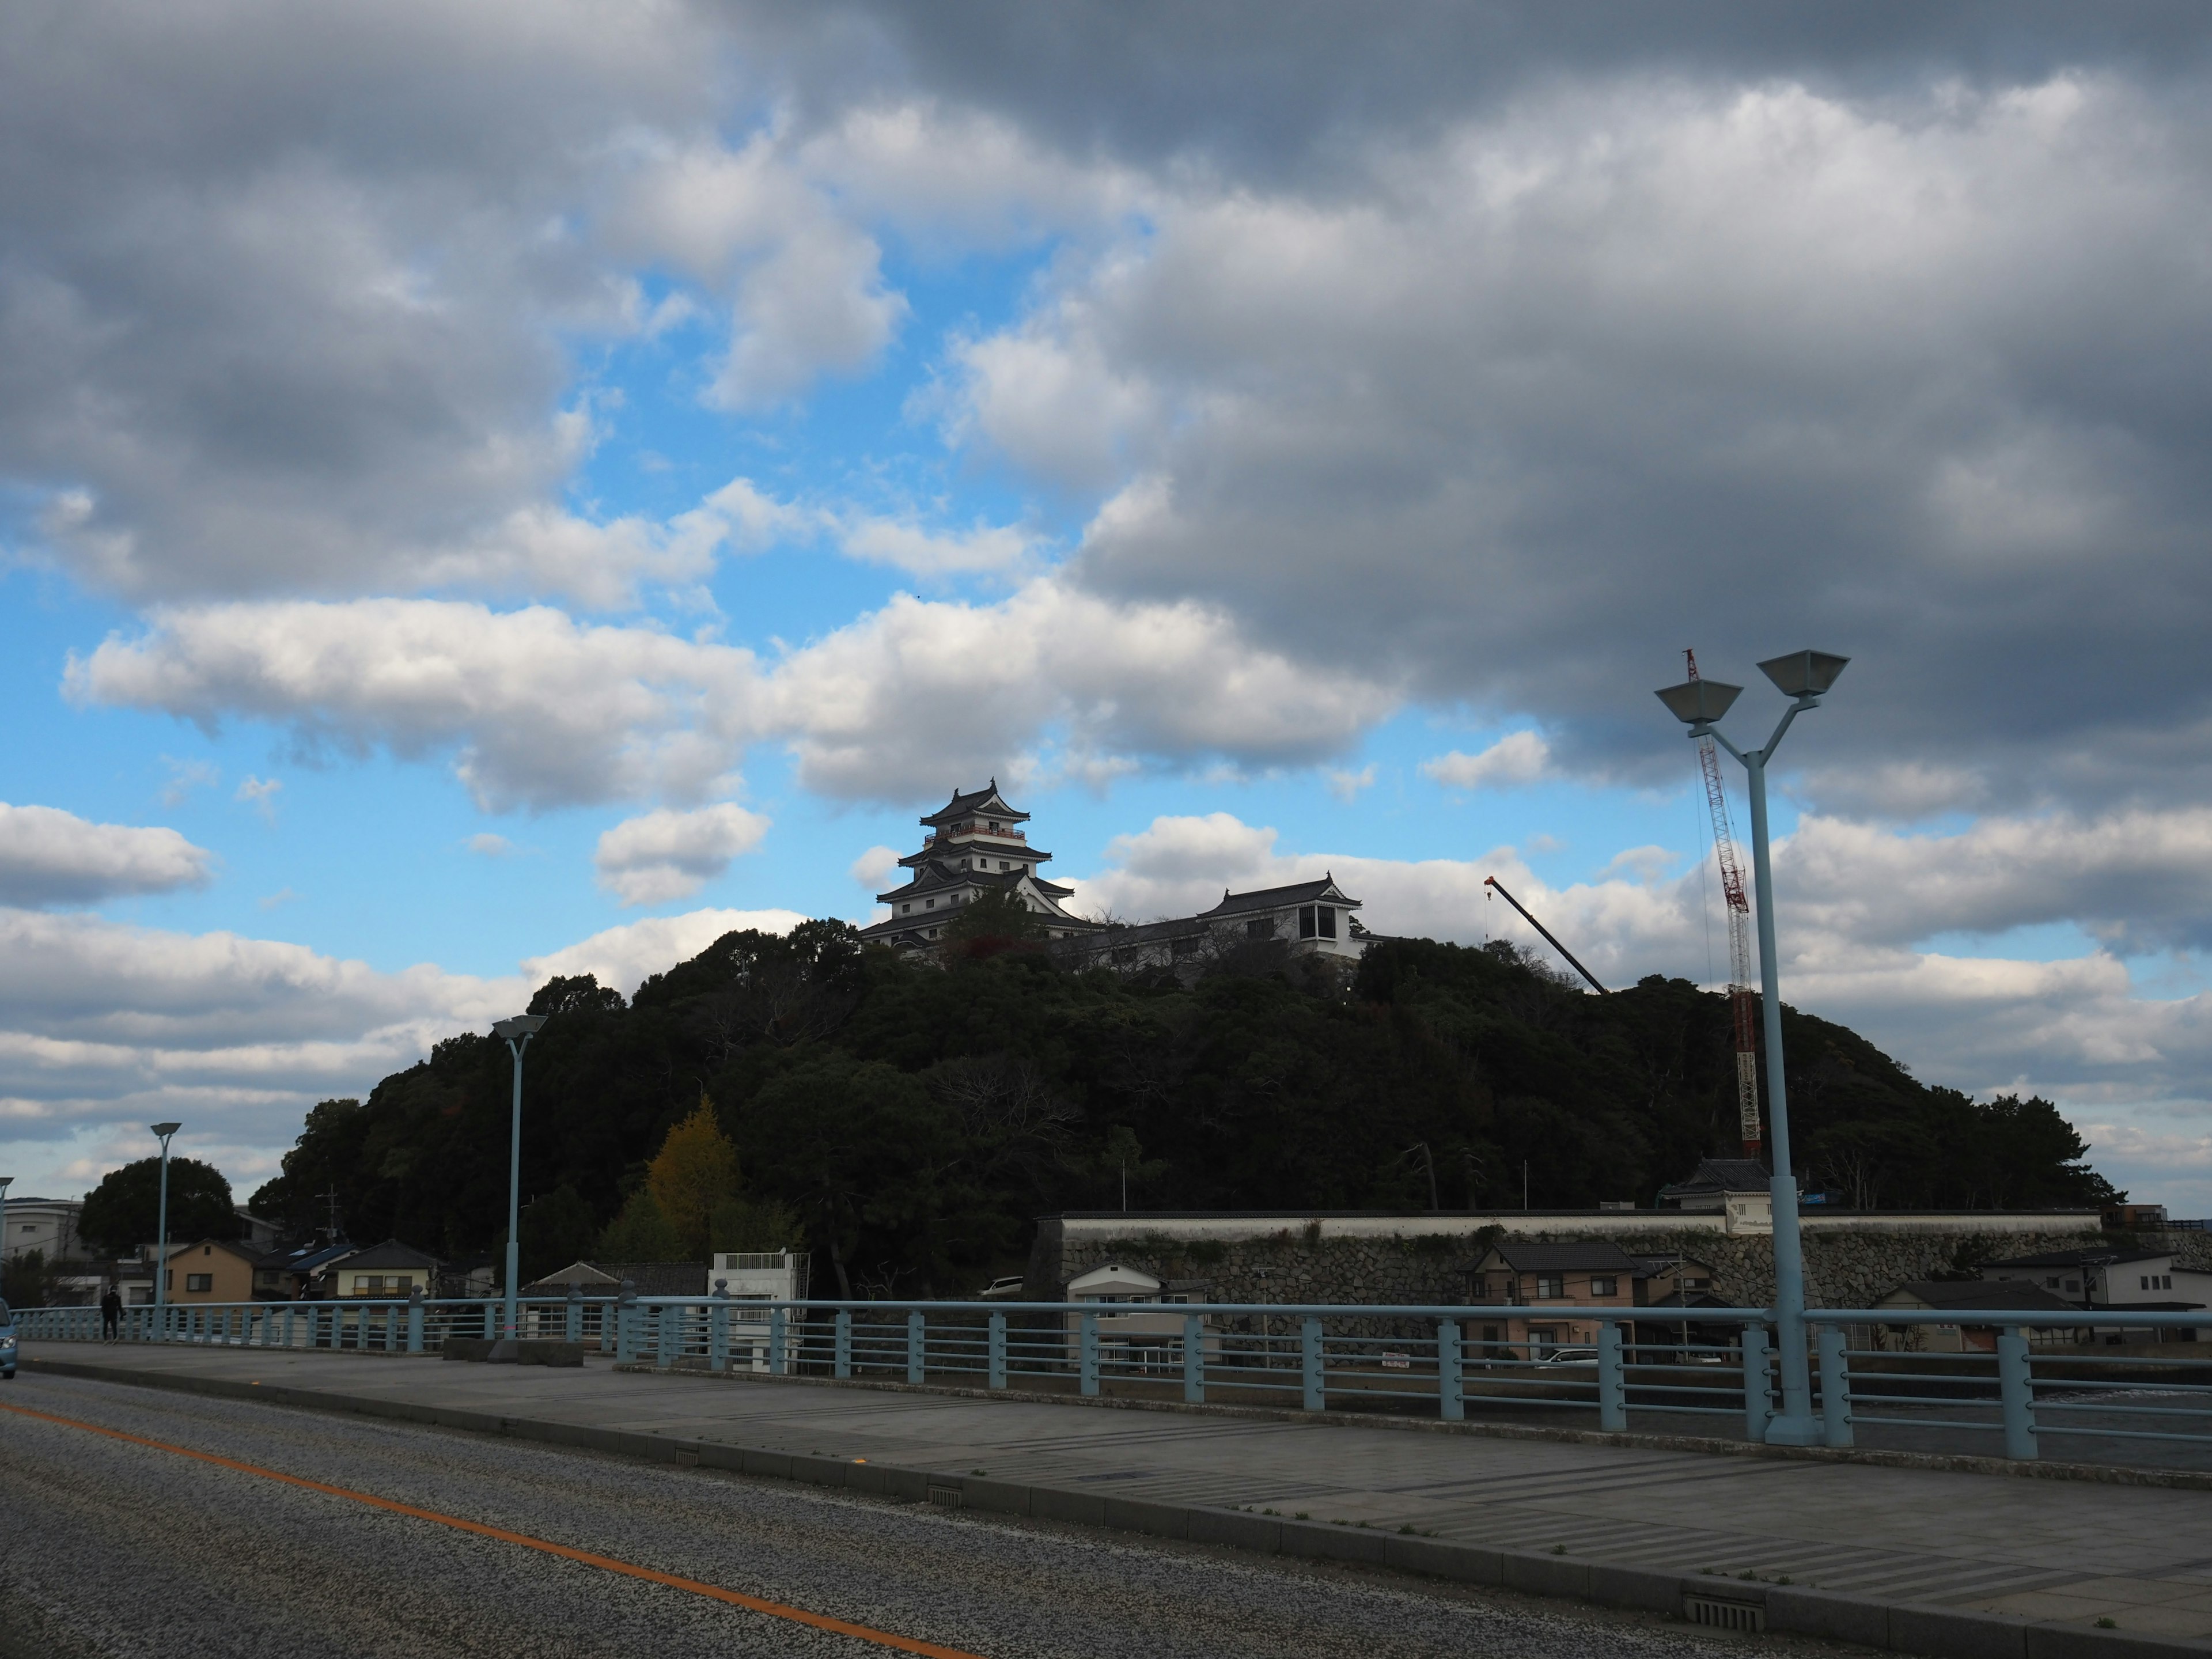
x=2006 y=1385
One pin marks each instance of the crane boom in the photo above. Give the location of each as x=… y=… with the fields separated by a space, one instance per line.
x=1743 y=1002
x=1492 y=881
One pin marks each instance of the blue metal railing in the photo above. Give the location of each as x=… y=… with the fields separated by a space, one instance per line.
x=1985 y=1375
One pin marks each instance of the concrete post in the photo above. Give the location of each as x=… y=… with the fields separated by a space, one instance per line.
x=1612 y=1380
x=625 y=1323
x=843 y=1363
x=1311 y=1365
x=2016 y=1387
x=415 y=1319
x=998 y=1361
x=1087 y=1352
x=917 y=1356
x=1451 y=1398
x=572 y=1329
x=779 y=1342
x=288 y=1307
x=1758 y=1395
x=718 y=1328
x=1835 y=1387
x=1193 y=1360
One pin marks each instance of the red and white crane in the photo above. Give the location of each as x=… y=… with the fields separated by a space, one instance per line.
x=1743 y=1001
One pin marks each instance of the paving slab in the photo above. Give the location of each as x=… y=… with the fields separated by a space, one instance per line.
x=2070 y=1552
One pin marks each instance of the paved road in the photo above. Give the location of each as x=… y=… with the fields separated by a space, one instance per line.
x=113 y=1547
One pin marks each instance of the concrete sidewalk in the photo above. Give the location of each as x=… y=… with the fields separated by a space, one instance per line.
x=2062 y=1556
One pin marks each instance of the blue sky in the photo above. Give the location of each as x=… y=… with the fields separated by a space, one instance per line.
x=610 y=505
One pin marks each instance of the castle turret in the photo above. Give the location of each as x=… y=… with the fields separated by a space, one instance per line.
x=975 y=845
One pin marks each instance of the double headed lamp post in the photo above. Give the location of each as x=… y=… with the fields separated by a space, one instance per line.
x=161 y=1249
x=517 y=1029
x=1803 y=676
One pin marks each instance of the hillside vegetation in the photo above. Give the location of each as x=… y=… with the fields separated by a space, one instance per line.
x=909 y=1120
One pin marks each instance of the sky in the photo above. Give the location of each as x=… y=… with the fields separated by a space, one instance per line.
x=521 y=488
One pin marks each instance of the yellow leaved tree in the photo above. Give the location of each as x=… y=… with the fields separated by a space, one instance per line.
x=692 y=1176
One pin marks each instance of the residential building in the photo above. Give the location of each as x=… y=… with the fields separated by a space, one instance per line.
x=1969 y=1295
x=1738 y=1189
x=300 y=1273
x=389 y=1269
x=264 y=1235
x=1311 y=917
x=47 y=1225
x=606 y=1279
x=1149 y=1335
x=213 y=1270
x=2109 y=1279
x=974 y=845
x=1514 y=1282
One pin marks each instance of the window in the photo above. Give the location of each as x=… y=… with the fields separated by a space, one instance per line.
x=903 y=908
x=1604 y=1285
x=2144 y=1285
x=1326 y=915
x=1260 y=928
x=199 y=1281
x=1542 y=1339
x=1550 y=1285
x=929 y=905
x=1002 y=864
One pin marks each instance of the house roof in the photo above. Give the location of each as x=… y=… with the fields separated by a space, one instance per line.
x=1723 y=1174
x=1977 y=1294
x=2078 y=1259
x=243 y=1252
x=1592 y=1255
x=973 y=800
x=658 y=1277
x=314 y=1259
x=1692 y=1299
x=576 y=1273
x=1274 y=898
x=392 y=1254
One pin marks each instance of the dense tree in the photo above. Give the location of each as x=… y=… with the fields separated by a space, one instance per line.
x=557 y=1229
x=910 y=1119
x=124 y=1210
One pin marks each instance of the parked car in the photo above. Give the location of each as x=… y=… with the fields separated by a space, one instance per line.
x=1004 y=1289
x=7 y=1344
x=1568 y=1357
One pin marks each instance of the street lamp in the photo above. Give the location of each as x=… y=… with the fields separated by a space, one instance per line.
x=6 y=1182
x=518 y=1030
x=162 y=1263
x=1803 y=677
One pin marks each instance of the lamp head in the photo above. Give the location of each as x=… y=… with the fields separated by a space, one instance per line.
x=519 y=1025
x=165 y=1130
x=1803 y=673
x=6 y=1182
x=1694 y=701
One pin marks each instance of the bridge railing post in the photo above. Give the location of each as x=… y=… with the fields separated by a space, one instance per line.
x=998 y=1355
x=626 y=1323
x=1086 y=1354
x=1612 y=1380
x=841 y=1357
x=1451 y=1380
x=1757 y=1391
x=572 y=1324
x=2016 y=1395
x=1312 y=1365
x=718 y=1328
x=1193 y=1360
x=1835 y=1386
x=779 y=1341
x=917 y=1335
x=415 y=1319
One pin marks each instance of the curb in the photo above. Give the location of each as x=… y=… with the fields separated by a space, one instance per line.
x=1725 y=1603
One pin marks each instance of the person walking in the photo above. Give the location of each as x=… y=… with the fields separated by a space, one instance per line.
x=110 y=1314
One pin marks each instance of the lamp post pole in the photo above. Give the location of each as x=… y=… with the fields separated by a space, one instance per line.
x=161 y=1248
x=6 y=1182
x=1804 y=676
x=517 y=1031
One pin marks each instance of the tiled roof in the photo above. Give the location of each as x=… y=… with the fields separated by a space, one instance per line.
x=1725 y=1175
x=975 y=797
x=1593 y=1255
x=658 y=1277
x=2078 y=1259
x=392 y=1254
x=1977 y=1293
x=1274 y=898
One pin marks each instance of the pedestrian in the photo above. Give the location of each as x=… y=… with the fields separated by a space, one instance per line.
x=110 y=1314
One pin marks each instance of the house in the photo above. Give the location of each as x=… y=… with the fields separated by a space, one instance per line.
x=1141 y=1338
x=1738 y=1189
x=265 y=1236
x=300 y=1273
x=606 y=1279
x=213 y=1270
x=974 y=845
x=1513 y=1282
x=1969 y=1295
x=389 y=1269
x=2146 y=1281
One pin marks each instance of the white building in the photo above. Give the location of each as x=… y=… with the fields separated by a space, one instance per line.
x=1316 y=917
x=1145 y=1330
x=974 y=845
x=45 y=1224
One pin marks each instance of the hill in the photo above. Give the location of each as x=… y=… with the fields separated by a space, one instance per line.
x=917 y=1117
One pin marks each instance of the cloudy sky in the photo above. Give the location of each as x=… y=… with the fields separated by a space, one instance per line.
x=494 y=490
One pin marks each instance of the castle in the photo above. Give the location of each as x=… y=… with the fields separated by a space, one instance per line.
x=976 y=846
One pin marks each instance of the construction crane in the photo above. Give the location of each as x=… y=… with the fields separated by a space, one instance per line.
x=1492 y=881
x=1743 y=1001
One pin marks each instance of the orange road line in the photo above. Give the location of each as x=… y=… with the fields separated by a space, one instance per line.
x=608 y=1563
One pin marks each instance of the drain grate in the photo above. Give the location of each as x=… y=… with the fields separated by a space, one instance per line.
x=1724 y=1614
x=948 y=1497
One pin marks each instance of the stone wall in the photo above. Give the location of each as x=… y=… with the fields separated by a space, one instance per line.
x=1845 y=1269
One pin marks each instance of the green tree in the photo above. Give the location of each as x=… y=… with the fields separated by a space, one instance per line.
x=694 y=1174
x=640 y=1233
x=558 y=1228
x=758 y=1223
x=24 y=1279
x=992 y=923
x=124 y=1210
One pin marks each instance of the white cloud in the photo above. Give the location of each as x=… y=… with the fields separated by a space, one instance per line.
x=260 y=794
x=624 y=956
x=1519 y=757
x=1346 y=784
x=184 y=776
x=666 y=855
x=873 y=867
x=994 y=548
x=48 y=856
x=489 y=846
